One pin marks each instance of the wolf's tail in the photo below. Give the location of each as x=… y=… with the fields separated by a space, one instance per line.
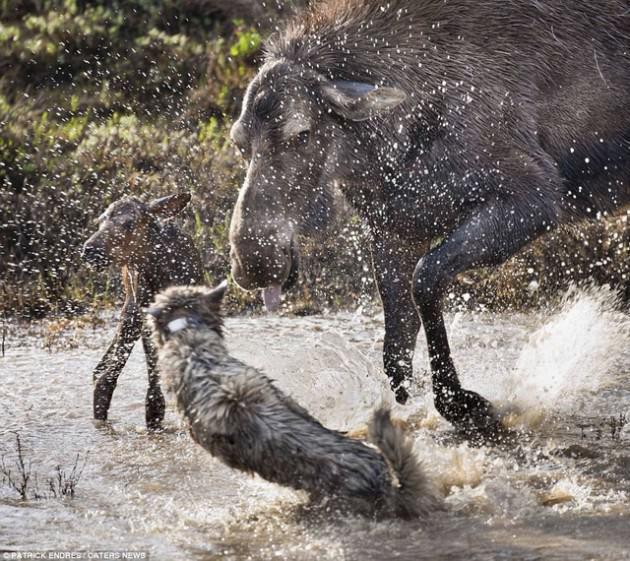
x=413 y=494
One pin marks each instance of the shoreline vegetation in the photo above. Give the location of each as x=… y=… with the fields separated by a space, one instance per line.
x=101 y=99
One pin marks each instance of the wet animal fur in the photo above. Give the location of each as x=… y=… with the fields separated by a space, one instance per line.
x=238 y=415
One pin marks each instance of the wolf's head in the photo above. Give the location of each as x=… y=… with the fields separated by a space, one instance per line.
x=186 y=307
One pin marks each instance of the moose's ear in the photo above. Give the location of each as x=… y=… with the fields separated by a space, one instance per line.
x=359 y=101
x=167 y=207
x=215 y=296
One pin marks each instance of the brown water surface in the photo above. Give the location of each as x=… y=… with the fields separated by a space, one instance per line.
x=561 y=493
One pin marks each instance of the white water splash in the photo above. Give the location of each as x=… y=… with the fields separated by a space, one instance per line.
x=581 y=349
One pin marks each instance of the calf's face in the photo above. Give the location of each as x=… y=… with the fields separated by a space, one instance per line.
x=297 y=130
x=127 y=231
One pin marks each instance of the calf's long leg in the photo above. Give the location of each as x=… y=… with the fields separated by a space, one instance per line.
x=394 y=262
x=488 y=237
x=108 y=369
x=155 y=403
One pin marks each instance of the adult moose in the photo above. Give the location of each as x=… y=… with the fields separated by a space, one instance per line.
x=478 y=123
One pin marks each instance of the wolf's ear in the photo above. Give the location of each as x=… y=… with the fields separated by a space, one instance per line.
x=215 y=296
x=359 y=101
x=153 y=311
x=167 y=207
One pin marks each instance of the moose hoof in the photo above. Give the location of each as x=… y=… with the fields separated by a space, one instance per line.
x=100 y=413
x=154 y=423
x=401 y=394
x=154 y=413
x=154 y=426
x=468 y=412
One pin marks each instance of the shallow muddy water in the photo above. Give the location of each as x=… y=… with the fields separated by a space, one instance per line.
x=560 y=493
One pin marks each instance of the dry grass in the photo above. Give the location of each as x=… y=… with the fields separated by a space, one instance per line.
x=20 y=477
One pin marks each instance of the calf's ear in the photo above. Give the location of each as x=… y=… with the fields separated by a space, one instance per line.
x=167 y=207
x=359 y=101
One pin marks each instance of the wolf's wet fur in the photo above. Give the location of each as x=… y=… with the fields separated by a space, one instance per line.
x=238 y=415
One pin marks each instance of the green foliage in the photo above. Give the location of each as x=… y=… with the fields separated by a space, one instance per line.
x=247 y=42
x=210 y=132
x=102 y=99
x=98 y=101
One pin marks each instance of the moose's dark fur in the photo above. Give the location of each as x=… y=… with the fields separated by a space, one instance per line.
x=481 y=123
x=153 y=255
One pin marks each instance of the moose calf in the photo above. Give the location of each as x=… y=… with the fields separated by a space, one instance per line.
x=153 y=255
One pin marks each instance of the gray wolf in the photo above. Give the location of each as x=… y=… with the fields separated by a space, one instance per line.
x=241 y=417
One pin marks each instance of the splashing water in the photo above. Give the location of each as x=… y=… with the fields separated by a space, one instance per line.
x=578 y=351
x=165 y=494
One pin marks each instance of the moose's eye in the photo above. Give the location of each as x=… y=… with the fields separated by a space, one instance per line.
x=303 y=138
x=240 y=139
x=127 y=225
x=242 y=149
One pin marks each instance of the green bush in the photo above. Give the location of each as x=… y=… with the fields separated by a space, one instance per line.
x=100 y=99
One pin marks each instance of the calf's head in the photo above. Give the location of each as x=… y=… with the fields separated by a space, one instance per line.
x=127 y=231
x=299 y=132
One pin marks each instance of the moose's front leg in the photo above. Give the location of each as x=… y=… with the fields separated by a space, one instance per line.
x=489 y=237
x=108 y=369
x=155 y=403
x=394 y=261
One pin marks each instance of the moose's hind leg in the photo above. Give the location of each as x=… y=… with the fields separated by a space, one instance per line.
x=155 y=404
x=108 y=369
x=106 y=375
x=490 y=236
